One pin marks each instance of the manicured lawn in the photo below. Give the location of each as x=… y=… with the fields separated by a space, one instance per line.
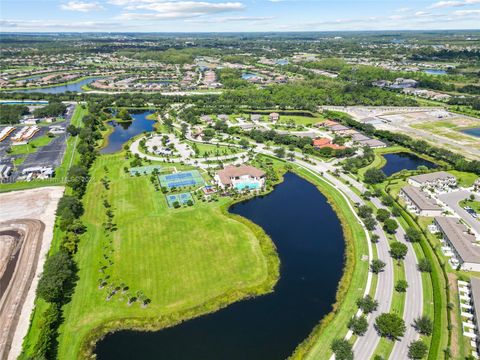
x=475 y=205
x=213 y=150
x=170 y=255
x=300 y=120
x=464 y=179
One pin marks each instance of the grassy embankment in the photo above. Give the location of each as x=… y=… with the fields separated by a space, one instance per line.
x=352 y=284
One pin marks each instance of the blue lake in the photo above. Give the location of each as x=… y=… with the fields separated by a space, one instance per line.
x=473 y=132
x=124 y=131
x=404 y=161
x=75 y=87
x=309 y=241
x=435 y=71
x=246 y=76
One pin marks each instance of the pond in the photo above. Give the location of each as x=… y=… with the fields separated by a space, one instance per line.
x=404 y=161
x=310 y=244
x=124 y=131
x=75 y=87
x=435 y=71
x=247 y=76
x=473 y=132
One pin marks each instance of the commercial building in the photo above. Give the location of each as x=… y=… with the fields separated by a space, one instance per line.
x=419 y=203
x=466 y=252
x=439 y=180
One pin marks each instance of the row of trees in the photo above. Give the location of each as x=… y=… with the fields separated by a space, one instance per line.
x=58 y=278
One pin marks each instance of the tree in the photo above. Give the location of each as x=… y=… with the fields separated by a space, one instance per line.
x=72 y=130
x=401 y=285
x=396 y=211
x=413 y=235
x=279 y=152
x=398 y=250
x=370 y=223
x=374 y=176
x=367 y=304
x=77 y=179
x=124 y=115
x=375 y=238
x=417 y=350
x=387 y=200
x=390 y=226
x=390 y=325
x=377 y=266
x=69 y=206
x=243 y=143
x=342 y=349
x=358 y=325
x=423 y=325
x=54 y=284
x=382 y=215
x=424 y=265
x=365 y=211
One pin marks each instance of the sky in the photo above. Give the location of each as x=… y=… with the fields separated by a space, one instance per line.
x=235 y=15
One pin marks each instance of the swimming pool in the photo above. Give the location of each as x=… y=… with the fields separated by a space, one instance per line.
x=247 y=184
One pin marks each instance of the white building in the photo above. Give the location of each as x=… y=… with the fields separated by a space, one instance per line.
x=439 y=180
x=419 y=203
x=241 y=177
x=462 y=243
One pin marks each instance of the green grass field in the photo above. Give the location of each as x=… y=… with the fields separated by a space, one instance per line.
x=170 y=255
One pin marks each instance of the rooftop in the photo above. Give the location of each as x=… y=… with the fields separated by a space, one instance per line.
x=475 y=288
x=230 y=172
x=419 y=198
x=456 y=232
x=438 y=175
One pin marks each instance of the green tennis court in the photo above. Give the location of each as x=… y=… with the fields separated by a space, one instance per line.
x=182 y=199
x=181 y=179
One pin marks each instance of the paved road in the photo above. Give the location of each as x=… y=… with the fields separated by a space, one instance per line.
x=365 y=345
x=452 y=199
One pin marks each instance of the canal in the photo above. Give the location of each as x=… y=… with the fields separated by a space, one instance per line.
x=310 y=244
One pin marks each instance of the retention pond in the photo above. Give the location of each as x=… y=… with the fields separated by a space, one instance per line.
x=404 y=161
x=124 y=131
x=309 y=240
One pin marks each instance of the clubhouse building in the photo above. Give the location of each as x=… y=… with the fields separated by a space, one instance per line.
x=241 y=177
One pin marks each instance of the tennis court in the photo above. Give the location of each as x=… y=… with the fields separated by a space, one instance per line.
x=181 y=179
x=182 y=199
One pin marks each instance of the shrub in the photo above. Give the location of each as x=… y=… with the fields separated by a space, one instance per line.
x=358 y=325
x=367 y=304
x=342 y=349
x=423 y=325
x=424 y=265
x=417 y=350
x=377 y=266
x=390 y=325
x=401 y=286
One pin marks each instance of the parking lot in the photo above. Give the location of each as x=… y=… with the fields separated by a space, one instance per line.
x=50 y=155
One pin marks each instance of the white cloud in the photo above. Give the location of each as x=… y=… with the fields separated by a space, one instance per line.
x=466 y=12
x=176 y=10
x=453 y=3
x=53 y=25
x=81 y=6
x=254 y=19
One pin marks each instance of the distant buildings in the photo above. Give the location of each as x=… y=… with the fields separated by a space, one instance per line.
x=274 y=117
x=321 y=143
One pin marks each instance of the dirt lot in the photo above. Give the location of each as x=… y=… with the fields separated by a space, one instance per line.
x=26 y=229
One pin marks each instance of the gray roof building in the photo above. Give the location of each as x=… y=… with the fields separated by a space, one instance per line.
x=463 y=242
x=475 y=290
x=420 y=200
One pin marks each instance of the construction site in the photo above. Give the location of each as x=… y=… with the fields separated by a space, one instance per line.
x=26 y=229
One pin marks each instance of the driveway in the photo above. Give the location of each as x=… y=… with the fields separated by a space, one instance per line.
x=452 y=199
